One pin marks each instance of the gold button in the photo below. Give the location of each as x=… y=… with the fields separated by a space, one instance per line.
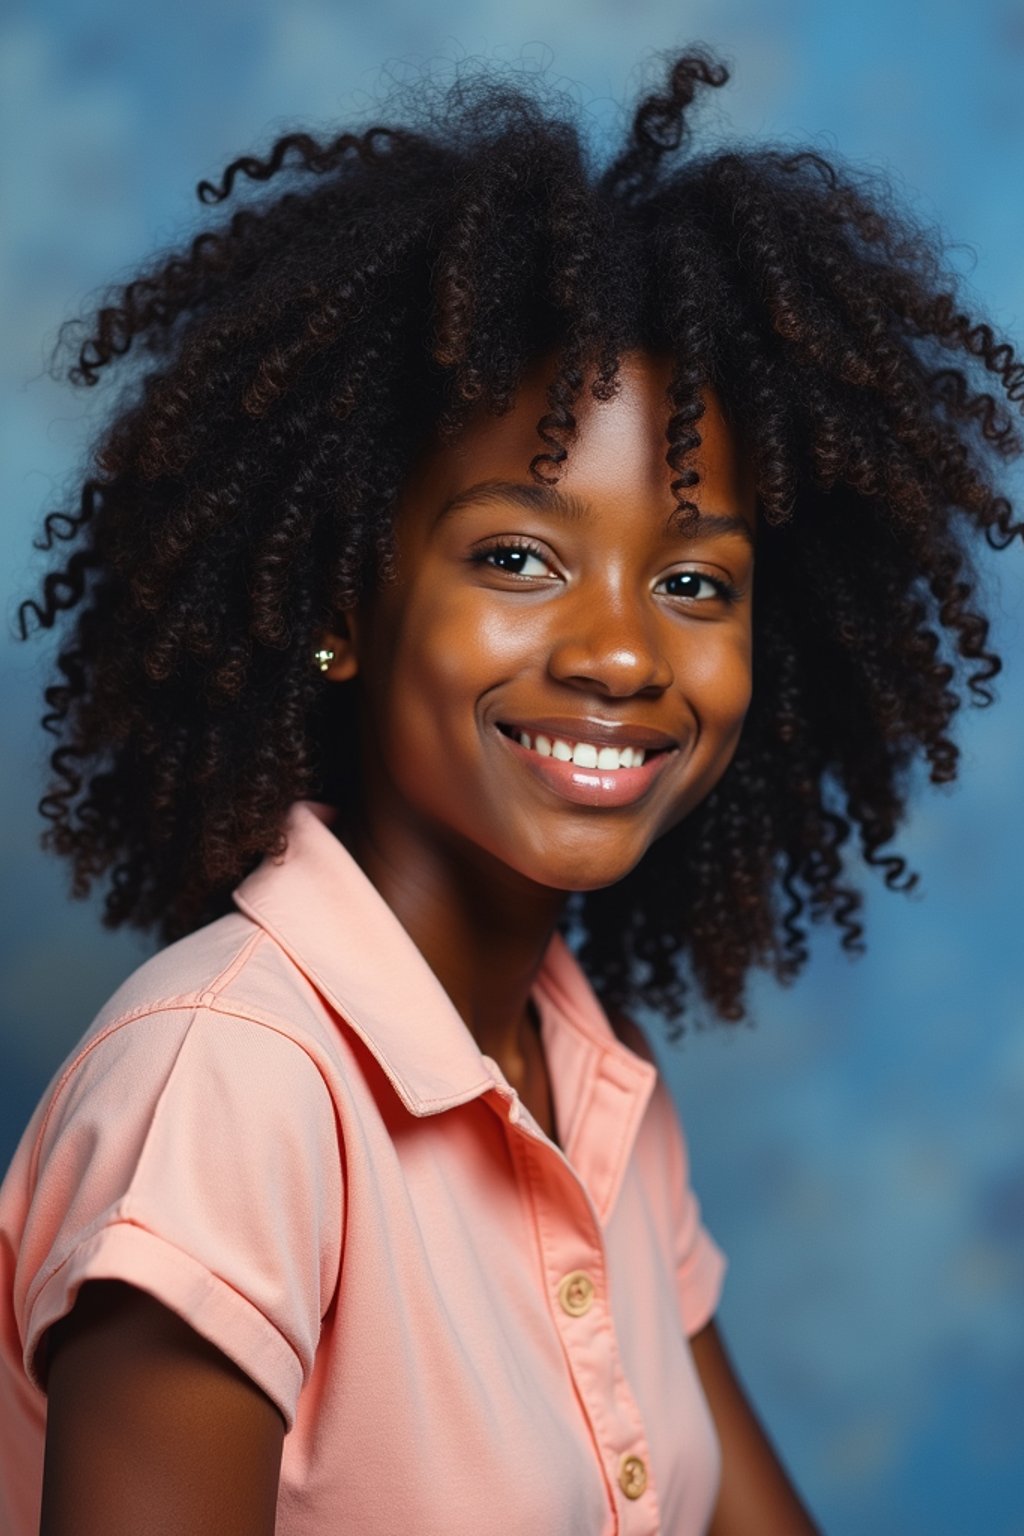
x=632 y=1476
x=576 y=1293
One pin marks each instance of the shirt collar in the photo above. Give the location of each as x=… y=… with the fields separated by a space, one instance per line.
x=317 y=904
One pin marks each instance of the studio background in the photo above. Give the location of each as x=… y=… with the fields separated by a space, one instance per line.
x=860 y=1151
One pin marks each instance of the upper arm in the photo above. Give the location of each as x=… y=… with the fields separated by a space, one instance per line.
x=756 y=1497
x=150 y=1428
x=197 y=1157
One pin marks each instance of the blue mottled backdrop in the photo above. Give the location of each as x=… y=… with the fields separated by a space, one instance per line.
x=860 y=1153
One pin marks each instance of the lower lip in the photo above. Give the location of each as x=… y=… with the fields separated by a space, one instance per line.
x=591 y=786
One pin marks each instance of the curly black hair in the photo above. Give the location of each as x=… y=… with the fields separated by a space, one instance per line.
x=291 y=360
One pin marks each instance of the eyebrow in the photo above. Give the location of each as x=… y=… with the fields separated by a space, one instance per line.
x=572 y=508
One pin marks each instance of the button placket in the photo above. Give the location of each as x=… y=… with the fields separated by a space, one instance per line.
x=569 y=1228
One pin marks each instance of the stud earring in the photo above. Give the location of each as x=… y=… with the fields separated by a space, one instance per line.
x=323 y=659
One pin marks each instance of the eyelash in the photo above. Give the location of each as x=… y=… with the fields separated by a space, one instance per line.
x=482 y=556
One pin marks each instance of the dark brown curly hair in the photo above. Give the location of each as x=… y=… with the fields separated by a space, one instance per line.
x=290 y=361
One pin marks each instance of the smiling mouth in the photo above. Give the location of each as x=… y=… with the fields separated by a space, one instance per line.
x=582 y=754
x=583 y=773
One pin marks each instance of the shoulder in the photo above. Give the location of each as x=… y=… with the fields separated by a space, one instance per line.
x=230 y=968
x=662 y=1122
x=223 y=1015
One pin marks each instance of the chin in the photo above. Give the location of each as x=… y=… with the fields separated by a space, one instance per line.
x=580 y=870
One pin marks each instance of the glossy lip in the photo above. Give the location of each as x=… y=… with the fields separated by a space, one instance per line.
x=603 y=787
x=603 y=733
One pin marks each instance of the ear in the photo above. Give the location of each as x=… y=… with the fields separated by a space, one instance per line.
x=342 y=641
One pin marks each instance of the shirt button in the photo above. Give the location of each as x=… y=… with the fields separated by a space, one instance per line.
x=632 y=1476
x=576 y=1293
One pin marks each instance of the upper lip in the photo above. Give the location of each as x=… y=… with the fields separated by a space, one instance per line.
x=609 y=733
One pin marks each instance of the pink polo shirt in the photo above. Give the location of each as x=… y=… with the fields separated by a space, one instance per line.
x=281 y=1128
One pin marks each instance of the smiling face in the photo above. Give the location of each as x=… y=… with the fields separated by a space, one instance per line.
x=557 y=675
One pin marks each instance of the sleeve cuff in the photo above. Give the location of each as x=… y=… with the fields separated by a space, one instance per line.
x=123 y=1251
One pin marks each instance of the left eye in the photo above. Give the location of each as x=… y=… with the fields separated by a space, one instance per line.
x=515 y=560
x=688 y=584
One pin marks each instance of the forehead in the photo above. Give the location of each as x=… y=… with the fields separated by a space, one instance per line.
x=618 y=452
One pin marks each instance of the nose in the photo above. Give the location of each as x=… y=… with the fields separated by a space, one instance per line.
x=610 y=644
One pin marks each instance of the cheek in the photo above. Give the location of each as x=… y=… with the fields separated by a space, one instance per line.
x=719 y=679
x=442 y=658
x=718 y=685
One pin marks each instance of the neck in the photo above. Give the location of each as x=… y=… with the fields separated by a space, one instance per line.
x=482 y=928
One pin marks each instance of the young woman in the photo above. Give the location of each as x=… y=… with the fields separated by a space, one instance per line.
x=423 y=700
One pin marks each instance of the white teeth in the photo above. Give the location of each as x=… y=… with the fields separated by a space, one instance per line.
x=583 y=753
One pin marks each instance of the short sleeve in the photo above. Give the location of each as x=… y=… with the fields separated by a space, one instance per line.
x=194 y=1154
x=699 y=1264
